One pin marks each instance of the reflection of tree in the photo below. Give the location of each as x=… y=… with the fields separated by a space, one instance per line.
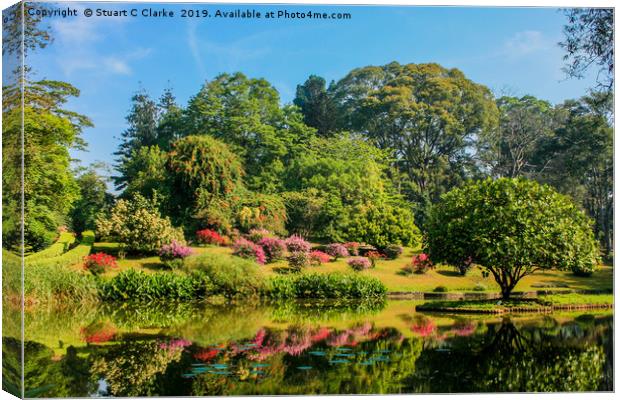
x=44 y=375
x=511 y=359
x=130 y=368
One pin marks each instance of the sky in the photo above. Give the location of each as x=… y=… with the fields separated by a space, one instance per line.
x=511 y=50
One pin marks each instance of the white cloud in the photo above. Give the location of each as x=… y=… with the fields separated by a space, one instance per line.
x=525 y=43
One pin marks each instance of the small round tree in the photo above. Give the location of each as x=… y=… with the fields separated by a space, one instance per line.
x=511 y=228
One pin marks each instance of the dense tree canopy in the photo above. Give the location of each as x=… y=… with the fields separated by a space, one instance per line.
x=511 y=228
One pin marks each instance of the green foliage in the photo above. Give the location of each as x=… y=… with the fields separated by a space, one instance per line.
x=71 y=257
x=140 y=286
x=229 y=276
x=49 y=133
x=511 y=228
x=440 y=289
x=65 y=240
x=298 y=260
x=325 y=286
x=138 y=225
x=392 y=251
x=93 y=200
x=317 y=105
x=381 y=225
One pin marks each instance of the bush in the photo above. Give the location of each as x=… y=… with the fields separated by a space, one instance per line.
x=138 y=225
x=228 y=276
x=359 y=263
x=373 y=256
x=421 y=263
x=325 y=286
x=336 y=250
x=208 y=236
x=173 y=254
x=256 y=235
x=318 y=257
x=353 y=248
x=440 y=289
x=274 y=248
x=99 y=262
x=298 y=260
x=245 y=249
x=392 y=251
x=137 y=285
x=297 y=244
x=382 y=224
x=510 y=227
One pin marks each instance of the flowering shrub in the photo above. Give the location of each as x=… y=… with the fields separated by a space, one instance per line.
x=353 y=248
x=392 y=251
x=208 y=236
x=172 y=254
x=421 y=263
x=336 y=250
x=298 y=260
x=296 y=244
x=318 y=257
x=99 y=262
x=98 y=332
x=246 y=249
x=273 y=248
x=373 y=256
x=359 y=263
x=256 y=235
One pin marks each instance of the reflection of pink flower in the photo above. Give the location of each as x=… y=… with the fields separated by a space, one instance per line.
x=260 y=336
x=423 y=327
x=175 y=344
x=206 y=354
x=321 y=334
x=463 y=328
x=338 y=339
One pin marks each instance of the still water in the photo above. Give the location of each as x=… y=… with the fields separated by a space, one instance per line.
x=302 y=348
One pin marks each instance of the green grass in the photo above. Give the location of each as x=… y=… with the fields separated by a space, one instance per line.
x=390 y=273
x=577 y=298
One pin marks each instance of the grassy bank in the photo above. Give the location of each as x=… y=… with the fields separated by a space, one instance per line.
x=545 y=303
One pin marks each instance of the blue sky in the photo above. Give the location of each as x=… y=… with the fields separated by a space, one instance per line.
x=511 y=50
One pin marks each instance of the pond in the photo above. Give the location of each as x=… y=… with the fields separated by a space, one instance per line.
x=197 y=349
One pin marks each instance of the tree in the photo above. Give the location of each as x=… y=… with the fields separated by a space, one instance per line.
x=93 y=200
x=49 y=186
x=317 y=105
x=523 y=125
x=588 y=41
x=145 y=173
x=245 y=113
x=511 y=228
x=427 y=116
x=580 y=161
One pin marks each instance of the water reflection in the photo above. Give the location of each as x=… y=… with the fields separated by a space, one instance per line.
x=306 y=348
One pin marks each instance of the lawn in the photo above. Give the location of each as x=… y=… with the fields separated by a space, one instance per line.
x=389 y=272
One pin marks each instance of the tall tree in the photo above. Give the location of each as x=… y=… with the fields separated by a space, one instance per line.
x=93 y=199
x=317 y=105
x=589 y=41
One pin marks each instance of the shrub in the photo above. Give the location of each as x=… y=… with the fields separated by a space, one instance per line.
x=256 y=235
x=227 y=275
x=359 y=263
x=65 y=240
x=318 y=257
x=336 y=250
x=245 y=249
x=325 y=286
x=172 y=254
x=382 y=224
x=353 y=248
x=297 y=244
x=137 y=285
x=298 y=260
x=421 y=263
x=71 y=257
x=392 y=251
x=510 y=228
x=208 y=236
x=373 y=256
x=99 y=262
x=440 y=289
x=138 y=225
x=274 y=248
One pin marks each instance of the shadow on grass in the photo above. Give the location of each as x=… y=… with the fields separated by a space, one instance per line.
x=155 y=266
x=455 y=274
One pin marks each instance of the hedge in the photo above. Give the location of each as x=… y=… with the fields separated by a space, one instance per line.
x=325 y=286
x=73 y=256
x=65 y=240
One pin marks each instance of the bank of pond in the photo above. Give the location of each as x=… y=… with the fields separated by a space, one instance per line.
x=301 y=347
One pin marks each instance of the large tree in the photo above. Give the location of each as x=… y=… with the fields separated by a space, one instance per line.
x=317 y=105
x=426 y=115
